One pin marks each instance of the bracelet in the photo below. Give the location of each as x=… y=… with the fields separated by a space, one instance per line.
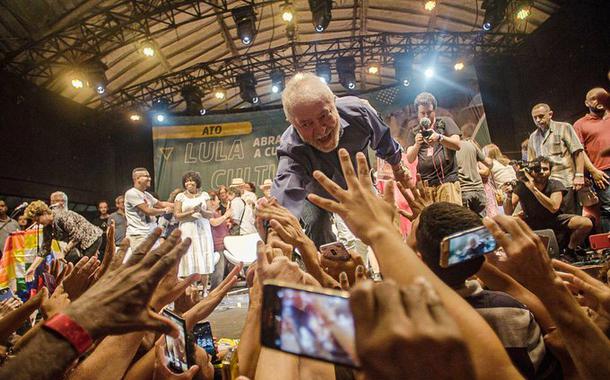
x=71 y=331
x=579 y=175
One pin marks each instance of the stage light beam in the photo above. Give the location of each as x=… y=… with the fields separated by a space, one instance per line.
x=429 y=72
x=77 y=83
x=459 y=66
x=429 y=5
x=288 y=13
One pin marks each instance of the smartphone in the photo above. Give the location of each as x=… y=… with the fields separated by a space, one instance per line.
x=335 y=251
x=599 y=241
x=466 y=245
x=5 y=294
x=177 y=351
x=204 y=339
x=311 y=322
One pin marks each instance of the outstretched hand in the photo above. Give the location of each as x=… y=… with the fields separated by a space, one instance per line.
x=365 y=214
x=589 y=291
x=118 y=302
x=418 y=198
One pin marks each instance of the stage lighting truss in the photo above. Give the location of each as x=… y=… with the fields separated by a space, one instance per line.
x=192 y=98
x=324 y=72
x=403 y=68
x=245 y=20
x=247 y=87
x=346 y=68
x=288 y=13
x=321 y=12
x=278 y=78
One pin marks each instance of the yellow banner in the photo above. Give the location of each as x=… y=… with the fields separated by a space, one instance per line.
x=202 y=131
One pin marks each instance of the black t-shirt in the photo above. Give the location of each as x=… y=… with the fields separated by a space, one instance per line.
x=439 y=165
x=534 y=211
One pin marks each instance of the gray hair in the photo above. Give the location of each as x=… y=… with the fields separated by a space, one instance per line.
x=425 y=99
x=62 y=195
x=304 y=88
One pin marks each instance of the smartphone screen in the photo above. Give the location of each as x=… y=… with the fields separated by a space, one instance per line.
x=309 y=323
x=5 y=294
x=467 y=245
x=204 y=338
x=176 y=348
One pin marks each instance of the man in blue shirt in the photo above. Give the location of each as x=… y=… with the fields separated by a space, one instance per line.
x=321 y=123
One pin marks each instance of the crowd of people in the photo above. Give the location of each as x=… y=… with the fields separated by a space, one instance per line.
x=514 y=313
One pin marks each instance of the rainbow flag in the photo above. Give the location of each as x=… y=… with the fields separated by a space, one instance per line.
x=19 y=252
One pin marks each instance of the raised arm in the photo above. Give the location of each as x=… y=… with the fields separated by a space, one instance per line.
x=289 y=184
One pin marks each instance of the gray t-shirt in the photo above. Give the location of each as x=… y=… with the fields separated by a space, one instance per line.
x=138 y=223
x=120 y=227
x=467 y=158
x=11 y=226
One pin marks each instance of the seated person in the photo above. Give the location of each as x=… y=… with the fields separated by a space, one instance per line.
x=511 y=321
x=541 y=199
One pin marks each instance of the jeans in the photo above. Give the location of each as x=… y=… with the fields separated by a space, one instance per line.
x=317 y=224
x=604 y=206
x=219 y=272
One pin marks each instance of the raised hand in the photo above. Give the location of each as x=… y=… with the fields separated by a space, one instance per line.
x=206 y=306
x=365 y=214
x=590 y=291
x=81 y=277
x=109 y=251
x=418 y=198
x=171 y=288
x=118 y=302
x=334 y=268
x=406 y=333
x=58 y=302
x=161 y=372
x=526 y=260
x=279 y=268
x=285 y=224
x=359 y=277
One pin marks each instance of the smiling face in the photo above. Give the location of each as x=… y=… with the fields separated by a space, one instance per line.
x=142 y=179
x=190 y=185
x=317 y=123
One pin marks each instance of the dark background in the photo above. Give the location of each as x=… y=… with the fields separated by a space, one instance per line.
x=50 y=143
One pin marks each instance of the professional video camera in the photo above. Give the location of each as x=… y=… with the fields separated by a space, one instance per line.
x=531 y=167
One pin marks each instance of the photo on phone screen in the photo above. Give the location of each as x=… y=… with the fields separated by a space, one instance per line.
x=204 y=338
x=309 y=323
x=5 y=294
x=466 y=245
x=176 y=348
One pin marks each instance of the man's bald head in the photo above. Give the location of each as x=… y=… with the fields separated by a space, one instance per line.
x=597 y=100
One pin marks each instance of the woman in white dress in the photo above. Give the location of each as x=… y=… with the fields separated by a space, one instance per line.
x=191 y=210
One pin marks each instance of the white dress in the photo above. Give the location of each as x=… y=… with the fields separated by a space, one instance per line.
x=200 y=256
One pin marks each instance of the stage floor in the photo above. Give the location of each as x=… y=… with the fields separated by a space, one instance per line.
x=228 y=319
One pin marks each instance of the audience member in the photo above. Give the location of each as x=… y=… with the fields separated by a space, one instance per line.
x=501 y=171
x=7 y=224
x=319 y=126
x=512 y=321
x=541 y=199
x=558 y=142
x=119 y=219
x=593 y=130
x=23 y=222
x=102 y=221
x=434 y=142
x=471 y=183
x=220 y=229
x=223 y=197
x=141 y=208
x=266 y=189
x=242 y=214
x=248 y=196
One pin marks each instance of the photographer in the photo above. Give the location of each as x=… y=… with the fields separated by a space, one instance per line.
x=434 y=143
x=541 y=199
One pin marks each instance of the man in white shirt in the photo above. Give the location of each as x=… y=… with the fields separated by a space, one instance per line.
x=242 y=212
x=141 y=208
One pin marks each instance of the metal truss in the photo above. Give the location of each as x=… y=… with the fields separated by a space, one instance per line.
x=303 y=56
x=105 y=30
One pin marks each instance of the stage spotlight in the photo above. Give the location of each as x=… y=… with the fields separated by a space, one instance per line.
x=459 y=66
x=277 y=80
x=523 y=9
x=160 y=107
x=147 y=49
x=287 y=12
x=203 y=111
x=247 y=87
x=245 y=19
x=346 y=68
x=220 y=94
x=321 y=11
x=192 y=98
x=403 y=68
x=77 y=82
x=324 y=72
x=429 y=72
x=135 y=117
x=98 y=81
x=429 y=5
x=495 y=10
x=373 y=68
x=160 y=117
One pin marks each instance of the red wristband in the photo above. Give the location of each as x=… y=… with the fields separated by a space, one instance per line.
x=65 y=326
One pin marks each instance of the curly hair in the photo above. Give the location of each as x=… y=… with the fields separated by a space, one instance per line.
x=192 y=175
x=36 y=209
